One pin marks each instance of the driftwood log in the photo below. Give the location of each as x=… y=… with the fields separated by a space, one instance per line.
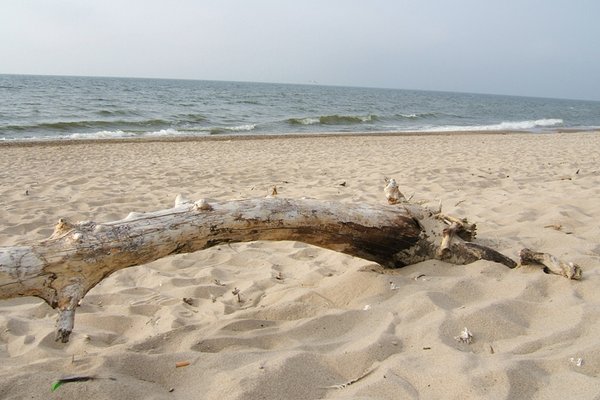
x=64 y=267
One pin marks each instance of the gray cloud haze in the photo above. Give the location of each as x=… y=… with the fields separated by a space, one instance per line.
x=532 y=48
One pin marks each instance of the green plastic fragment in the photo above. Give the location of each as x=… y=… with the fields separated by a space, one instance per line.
x=75 y=378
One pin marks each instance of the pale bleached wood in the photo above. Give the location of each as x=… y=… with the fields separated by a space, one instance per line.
x=63 y=268
x=76 y=257
x=550 y=264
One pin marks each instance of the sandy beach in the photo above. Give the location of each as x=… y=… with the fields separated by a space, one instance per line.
x=313 y=323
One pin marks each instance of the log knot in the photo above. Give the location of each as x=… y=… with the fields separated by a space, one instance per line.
x=202 y=205
x=62 y=226
x=392 y=192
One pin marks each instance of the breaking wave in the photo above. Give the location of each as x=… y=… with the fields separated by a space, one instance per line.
x=417 y=115
x=502 y=126
x=333 y=120
x=225 y=129
x=120 y=134
x=66 y=126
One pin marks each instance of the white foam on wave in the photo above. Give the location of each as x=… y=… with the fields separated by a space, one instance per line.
x=96 y=135
x=308 y=121
x=200 y=131
x=119 y=134
x=165 y=132
x=240 y=128
x=528 y=125
x=503 y=126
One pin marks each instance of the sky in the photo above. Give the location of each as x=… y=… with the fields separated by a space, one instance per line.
x=542 y=48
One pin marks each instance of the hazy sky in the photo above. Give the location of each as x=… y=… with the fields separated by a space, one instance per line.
x=543 y=48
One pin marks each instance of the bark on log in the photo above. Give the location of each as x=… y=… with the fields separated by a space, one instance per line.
x=63 y=268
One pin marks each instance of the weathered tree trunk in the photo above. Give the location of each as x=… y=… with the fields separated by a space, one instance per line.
x=63 y=268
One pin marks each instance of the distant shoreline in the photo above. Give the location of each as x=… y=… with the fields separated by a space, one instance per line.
x=177 y=139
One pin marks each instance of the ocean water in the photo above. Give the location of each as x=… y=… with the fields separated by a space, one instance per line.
x=54 y=107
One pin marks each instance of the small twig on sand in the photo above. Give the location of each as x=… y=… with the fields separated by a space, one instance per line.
x=344 y=385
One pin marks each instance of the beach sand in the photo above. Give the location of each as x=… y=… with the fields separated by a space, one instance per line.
x=313 y=323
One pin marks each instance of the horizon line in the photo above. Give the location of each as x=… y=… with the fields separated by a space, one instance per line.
x=310 y=83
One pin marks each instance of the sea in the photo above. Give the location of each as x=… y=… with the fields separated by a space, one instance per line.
x=68 y=107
